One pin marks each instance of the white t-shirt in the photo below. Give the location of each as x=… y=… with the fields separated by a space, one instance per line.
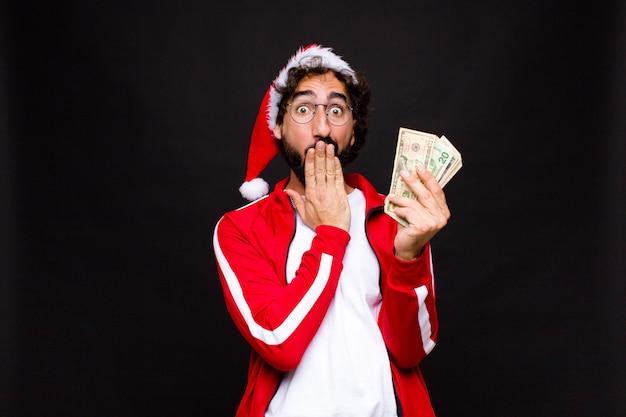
x=345 y=370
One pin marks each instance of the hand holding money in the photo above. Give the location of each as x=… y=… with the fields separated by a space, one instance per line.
x=415 y=148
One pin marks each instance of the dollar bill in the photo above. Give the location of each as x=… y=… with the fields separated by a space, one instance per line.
x=452 y=164
x=414 y=149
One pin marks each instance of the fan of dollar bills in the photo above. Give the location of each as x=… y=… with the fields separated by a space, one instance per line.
x=415 y=149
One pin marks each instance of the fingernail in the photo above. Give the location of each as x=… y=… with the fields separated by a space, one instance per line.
x=404 y=172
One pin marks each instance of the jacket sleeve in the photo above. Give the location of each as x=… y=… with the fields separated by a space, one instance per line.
x=408 y=317
x=277 y=319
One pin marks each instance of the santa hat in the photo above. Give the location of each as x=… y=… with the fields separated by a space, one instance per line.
x=263 y=146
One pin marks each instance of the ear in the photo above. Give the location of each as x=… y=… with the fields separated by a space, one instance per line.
x=277 y=132
x=352 y=139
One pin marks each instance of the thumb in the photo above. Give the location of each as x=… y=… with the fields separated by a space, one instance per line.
x=297 y=201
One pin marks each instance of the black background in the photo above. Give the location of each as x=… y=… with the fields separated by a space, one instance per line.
x=125 y=127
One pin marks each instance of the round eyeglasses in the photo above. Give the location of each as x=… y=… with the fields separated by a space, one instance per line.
x=338 y=113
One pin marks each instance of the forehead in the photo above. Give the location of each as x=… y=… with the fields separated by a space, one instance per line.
x=322 y=85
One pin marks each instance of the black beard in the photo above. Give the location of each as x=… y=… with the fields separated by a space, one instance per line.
x=295 y=161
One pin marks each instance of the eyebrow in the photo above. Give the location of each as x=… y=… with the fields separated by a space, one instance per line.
x=333 y=94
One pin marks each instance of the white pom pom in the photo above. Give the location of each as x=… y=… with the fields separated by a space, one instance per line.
x=254 y=189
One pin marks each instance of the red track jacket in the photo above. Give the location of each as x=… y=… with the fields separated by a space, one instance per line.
x=279 y=320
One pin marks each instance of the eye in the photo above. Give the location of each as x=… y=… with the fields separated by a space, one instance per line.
x=336 y=110
x=303 y=108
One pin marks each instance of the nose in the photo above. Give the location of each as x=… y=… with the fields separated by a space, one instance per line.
x=321 y=127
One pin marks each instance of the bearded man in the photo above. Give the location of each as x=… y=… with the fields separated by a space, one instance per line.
x=335 y=298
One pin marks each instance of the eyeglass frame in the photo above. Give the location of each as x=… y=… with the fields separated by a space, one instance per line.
x=315 y=105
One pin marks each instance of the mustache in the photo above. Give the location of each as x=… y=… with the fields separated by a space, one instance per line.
x=328 y=140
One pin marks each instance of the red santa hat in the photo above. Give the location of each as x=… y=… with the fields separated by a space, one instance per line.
x=263 y=146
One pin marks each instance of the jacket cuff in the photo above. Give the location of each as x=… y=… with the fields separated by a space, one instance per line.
x=415 y=272
x=331 y=240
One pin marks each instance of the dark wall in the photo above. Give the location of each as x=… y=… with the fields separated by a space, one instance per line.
x=125 y=128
